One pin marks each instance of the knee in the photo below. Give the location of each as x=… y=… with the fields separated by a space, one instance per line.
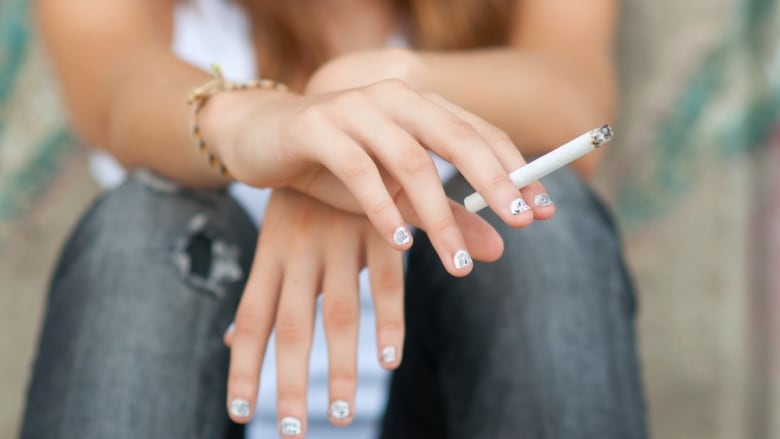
x=560 y=278
x=148 y=223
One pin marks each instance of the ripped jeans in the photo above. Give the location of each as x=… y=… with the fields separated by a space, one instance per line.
x=537 y=345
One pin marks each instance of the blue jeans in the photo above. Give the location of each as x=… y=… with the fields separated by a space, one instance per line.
x=540 y=344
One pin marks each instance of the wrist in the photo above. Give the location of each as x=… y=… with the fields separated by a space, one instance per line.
x=222 y=118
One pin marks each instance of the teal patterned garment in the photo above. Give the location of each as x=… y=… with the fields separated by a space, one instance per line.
x=33 y=136
x=725 y=108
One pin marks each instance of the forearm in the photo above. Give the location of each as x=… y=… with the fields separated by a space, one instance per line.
x=539 y=99
x=147 y=120
x=124 y=89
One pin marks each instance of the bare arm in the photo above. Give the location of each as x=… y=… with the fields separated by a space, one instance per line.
x=554 y=81
x=124 y=89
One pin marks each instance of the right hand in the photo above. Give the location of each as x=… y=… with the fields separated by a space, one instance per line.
x=366 y=150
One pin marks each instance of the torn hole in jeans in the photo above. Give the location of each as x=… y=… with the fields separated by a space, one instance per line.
x=206 y=261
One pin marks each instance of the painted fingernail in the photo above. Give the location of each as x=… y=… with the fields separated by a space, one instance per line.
x=230 y=328
x=462 y=259
x=543 y=200
x=401 y=236
x=519 y=206
x=339 y=410
x=239 y=408
x=389 y=355
x=290 y=426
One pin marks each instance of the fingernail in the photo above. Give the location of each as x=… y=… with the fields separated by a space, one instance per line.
x=462 y=259
x=401 y=236
x=339 y=410
x=543 y=200
x=230 y=328
x=290 y=426
x=519 y=206
x=239 y=408
x=388 y=355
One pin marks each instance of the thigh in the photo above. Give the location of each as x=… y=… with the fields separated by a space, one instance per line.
x=131 y=343
x=537 y=345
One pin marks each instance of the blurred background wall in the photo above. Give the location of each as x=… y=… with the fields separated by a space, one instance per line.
x=693 y=178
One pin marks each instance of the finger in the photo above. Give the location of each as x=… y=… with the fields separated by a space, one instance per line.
x=534 y=196
x=482 y=240
x=386 y=272
x=227 y=338
x=543 y=205
x=411 y=165
x=294 y=328
x=253 y=324
x=350 y=163
x=459 y=143
x=340 y=312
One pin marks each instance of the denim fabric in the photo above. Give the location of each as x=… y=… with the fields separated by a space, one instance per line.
x=132 y=339
x=537 y=345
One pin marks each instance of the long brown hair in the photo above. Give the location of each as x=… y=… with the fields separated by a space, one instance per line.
x=293 y=46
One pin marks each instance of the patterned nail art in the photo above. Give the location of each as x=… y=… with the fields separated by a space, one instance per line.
x=339 y=410
x=542 y=200
x=519 y=206
x=401 y=236
x=388 y=355
x=462 y=259
x=239 y=408
x=290 y=426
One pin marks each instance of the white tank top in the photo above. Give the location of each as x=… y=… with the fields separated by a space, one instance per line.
x=218 y=32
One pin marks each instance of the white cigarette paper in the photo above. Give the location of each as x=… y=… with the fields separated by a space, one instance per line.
x=550 y=162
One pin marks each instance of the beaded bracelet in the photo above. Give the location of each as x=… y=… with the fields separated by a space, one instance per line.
x=200 y=96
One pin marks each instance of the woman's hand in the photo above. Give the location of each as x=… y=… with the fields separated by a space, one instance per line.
x=375 y=140
x=307 y=247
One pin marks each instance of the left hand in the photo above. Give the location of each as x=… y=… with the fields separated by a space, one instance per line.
x=306 y=247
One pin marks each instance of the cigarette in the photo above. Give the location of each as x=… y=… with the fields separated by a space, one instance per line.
x=550 y=162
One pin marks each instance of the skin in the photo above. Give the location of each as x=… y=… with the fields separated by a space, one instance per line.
x=347 y=187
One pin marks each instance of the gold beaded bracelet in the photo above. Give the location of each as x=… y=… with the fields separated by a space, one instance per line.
x=200 y=96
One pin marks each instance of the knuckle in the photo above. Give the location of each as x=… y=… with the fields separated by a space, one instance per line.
x=307 y=119
x=289 y=330
x=356 y=167
x=381 y=207
x=391 y=326
x=346 y=377
x=290 y=393
x=388 y=282
x=497 y=136
x=460 y=129
x=391 y=86
x=498 y=182
x=445 y=226
x=242 y=381
x=416 y=162
x=248 y=320
x=299 y=128
x=350 y=99
x=340 y=313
